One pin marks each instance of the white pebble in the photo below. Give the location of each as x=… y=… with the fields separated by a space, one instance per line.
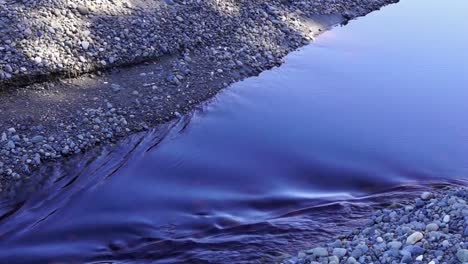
x=414 y=238
x=85 y=45
x=446 y=219
x=426 y=195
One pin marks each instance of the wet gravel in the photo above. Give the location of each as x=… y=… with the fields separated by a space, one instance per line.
x=433 y=229
x=191 y=50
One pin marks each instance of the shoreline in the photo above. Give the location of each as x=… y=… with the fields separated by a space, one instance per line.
x=54 y=120
x=431 y=229
x=46 y=39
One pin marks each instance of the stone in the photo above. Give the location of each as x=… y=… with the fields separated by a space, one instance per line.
x=426 y=195
x=85 y=44
x=339 y=252
x=319 y=252
x=82 y=10
x=462 y=255
x=414 y=238
x=394 y=244
x=446 y=218
x=351 y=260
x=8 y=68
x=432 y=227
x=333 y=260
x=37 y=139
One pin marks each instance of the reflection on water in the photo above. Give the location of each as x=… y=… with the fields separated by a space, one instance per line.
x=365 y=116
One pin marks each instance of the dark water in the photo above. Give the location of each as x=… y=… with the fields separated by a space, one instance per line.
x=369 y=114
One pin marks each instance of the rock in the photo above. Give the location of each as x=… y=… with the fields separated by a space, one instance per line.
x=414 y=250
x=339 y=252
x=414 y=238
x=82 y=10
x=432 y=227
x=37 y=139
x=426 y=195
x=351 y=260
x=333 y=260
x=38 y=60
x=395 y=244
x=446 y=219
x=8 y=68
x=462 y=255
x=85 y=44
x=319 y=252
x=11 y=144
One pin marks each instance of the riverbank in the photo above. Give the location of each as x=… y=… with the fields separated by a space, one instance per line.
x=191 y=50
x=40 y=39
x=432 y=229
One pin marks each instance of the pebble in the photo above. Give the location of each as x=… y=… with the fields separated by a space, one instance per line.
x=339 y=252
x=426 y=195
x=432 y=227
x=395 y=244
x=319 y=252
x=462 y=255
x=413 y=238
x=85 y=45
x=446 y=219
x=37 y=139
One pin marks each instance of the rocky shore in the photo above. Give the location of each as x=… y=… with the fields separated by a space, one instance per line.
x=433 y=229
x=39 y=38
x=191 y=50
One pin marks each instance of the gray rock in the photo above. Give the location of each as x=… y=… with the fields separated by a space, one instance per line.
x=462 y=255
x=426 y=195
x=339 y=252
x=432 y=227
x=414 y=238
x=37 y=139
x=82 y=10
x=319 y=252
x=394 y=244
x=11 y=144
x=8 y=68
x=85 y=44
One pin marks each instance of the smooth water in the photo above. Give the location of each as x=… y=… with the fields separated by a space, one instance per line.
x=365 y=116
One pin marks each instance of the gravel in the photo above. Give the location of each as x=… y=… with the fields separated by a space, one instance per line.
x=417 y=233
x=45 y=37
x=195 y=48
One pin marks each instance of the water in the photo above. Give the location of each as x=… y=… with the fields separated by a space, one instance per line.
x=367 y=115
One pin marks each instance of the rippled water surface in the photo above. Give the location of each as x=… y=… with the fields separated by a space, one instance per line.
x=367 y=115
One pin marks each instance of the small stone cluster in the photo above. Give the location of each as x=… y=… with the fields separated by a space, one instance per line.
x=22 y=152
x=43 y=37
x=434 y=229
